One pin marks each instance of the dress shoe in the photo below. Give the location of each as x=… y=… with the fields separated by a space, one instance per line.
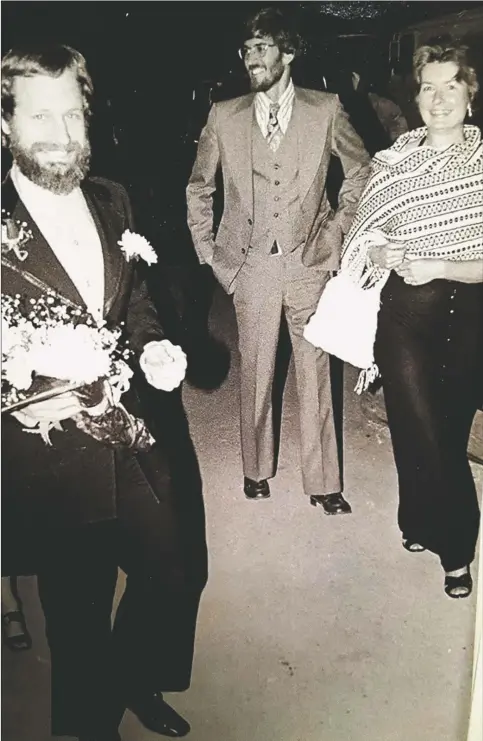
x=256 y=489
x=157 y=716
x=333 y=504
x=17 y=639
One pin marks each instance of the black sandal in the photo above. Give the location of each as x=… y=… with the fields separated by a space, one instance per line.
x=20 y=641
x=451 y=583
x=412 y=546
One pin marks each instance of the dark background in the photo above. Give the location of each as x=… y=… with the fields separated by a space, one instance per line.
x=149 y=60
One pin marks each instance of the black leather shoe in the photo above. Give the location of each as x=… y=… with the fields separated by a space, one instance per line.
x=333 y=504
x=256 y=489
x=19 y=640
x=157 y=716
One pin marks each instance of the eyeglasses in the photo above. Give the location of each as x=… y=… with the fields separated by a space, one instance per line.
x=261 y=50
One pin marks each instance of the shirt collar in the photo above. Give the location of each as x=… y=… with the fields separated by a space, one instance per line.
x=285 y=99
x=285 y=104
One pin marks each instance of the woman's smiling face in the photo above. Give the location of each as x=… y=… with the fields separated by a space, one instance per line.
x=443 y=98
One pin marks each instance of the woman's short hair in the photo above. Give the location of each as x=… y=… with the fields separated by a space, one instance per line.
x=272 y=22
x=50 y=60
x=446 y=49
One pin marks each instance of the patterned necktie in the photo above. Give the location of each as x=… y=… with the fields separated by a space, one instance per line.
x=274 y=132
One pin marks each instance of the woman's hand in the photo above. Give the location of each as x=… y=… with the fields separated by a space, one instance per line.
x=389 y=255
x=417 y=272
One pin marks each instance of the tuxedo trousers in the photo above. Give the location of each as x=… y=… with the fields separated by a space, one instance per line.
x=266 y=287
x=97 y=666
x=429 y=349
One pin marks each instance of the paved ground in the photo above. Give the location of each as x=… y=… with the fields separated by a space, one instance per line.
x=311 y=628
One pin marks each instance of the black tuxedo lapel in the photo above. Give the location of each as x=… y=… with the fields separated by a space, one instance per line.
x=110 y=225
x=41 y=260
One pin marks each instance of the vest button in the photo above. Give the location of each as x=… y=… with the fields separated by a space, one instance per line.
x=276 y=216
x=243 y=250
x=276 y=198
x=250 y=222
x=277 y=167
x=277 y=182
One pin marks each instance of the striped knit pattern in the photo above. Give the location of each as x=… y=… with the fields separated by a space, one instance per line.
x=430 y=199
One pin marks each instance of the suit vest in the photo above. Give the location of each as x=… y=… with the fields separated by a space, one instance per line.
x=276 y=197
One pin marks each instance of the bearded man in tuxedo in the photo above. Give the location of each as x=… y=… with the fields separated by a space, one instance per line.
x=77 y=509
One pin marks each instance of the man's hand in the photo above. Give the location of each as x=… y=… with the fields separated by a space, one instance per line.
x=164 y=365
x=63 y=406
x=389 y=255
x=416 y=272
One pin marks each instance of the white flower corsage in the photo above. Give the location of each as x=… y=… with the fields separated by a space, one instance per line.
x=137 y=246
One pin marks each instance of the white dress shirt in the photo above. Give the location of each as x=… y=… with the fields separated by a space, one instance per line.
x=69 y=229
x=285 y=103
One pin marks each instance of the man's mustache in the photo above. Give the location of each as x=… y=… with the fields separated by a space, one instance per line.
x=46 y=147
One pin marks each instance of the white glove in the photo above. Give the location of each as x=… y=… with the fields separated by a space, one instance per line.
x=163 y=364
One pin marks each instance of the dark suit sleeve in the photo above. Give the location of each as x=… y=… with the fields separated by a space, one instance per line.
x=348 y=146
x=201 y=186
x=142 y=322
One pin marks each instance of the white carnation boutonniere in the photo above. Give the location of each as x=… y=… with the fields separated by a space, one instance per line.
x=136 y=246
x=14 y=236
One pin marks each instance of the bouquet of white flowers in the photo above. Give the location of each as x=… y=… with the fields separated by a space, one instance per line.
x=49 y=347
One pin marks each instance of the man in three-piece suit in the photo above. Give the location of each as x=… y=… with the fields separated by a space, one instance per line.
x=278 y=242
x=75 y=511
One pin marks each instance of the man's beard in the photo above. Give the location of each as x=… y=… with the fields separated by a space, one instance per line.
x=272 y=76
x=59 y=178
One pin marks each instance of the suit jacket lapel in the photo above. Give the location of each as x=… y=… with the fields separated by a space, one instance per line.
x=110 y=226
x=239 y=149
x=311 y=127
x=41 y=260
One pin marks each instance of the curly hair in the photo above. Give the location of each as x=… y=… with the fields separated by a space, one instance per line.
x=446 y=49
x=51 y=60
x=272 y=22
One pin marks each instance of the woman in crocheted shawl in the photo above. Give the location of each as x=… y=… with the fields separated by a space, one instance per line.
x=419 y=232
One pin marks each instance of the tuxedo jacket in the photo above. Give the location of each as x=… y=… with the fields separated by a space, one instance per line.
x=323 y=129
x=74 y=481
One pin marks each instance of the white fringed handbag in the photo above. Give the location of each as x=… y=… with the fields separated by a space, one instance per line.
x=345 y=321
